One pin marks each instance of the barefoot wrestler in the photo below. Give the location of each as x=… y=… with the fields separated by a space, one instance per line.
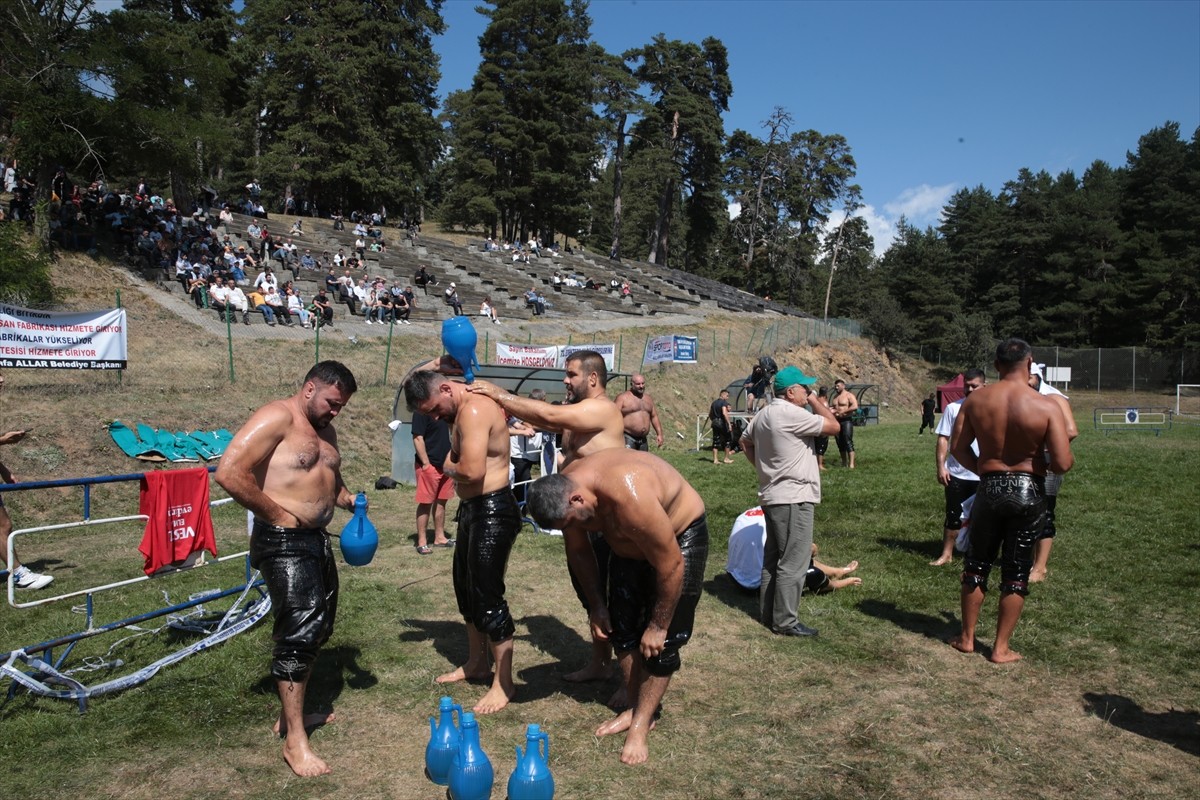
x=284 y=466
x=655 y=524
x=488 y=524
x=1012 y=426
x=589 y=422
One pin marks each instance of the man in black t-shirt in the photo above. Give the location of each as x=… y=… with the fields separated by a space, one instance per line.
x=431 y=441
x=718 y=415
x=927 y=407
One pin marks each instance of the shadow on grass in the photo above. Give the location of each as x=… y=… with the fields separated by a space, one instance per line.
x=335 y=669
x=548 y=634
x=925 y=548
x=723 y=587
x=1180 y=729
x=931 y=627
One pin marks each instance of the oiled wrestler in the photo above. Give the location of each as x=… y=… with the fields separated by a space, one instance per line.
x=488 y=524
x=654 y=522
x=1012 y=425
x=284 y=466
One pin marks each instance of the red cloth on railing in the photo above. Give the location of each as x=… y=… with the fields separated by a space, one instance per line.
x=176 y=501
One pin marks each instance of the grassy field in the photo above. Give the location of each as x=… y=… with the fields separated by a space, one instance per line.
x=1106 y=702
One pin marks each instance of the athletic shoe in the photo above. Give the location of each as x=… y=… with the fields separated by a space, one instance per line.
x=25 y=578
x=406 y=322
x=369 y=322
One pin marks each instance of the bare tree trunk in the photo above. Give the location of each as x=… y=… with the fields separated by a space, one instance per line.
x=618 y=182
x=662 y=223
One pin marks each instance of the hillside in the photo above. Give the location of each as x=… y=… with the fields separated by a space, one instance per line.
x=178 y=375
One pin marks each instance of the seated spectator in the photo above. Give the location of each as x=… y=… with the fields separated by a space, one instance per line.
x=424 y=279
x=591 y=284
x=366 y=298
x=321 y=309
x=295 y=306
x=273 y=306
x=487 y=310
x=400 y=307
x=297 y=228
x=532 y=301
x=218 y=294
x=451 y=299
x=236 y=300
x=198 y=289
x=625 y=290
x=307 y=261
x=557 y=279
x=383 y=306
x=346 y=293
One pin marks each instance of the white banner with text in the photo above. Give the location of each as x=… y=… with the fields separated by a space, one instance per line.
x=62 y=340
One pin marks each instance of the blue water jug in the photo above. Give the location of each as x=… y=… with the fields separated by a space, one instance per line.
x=531 y=780
x=444 y=738
x=459 y=340
x=471 y=774
x=359 y=538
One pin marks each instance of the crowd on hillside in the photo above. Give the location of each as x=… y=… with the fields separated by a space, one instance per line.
x=221 y=268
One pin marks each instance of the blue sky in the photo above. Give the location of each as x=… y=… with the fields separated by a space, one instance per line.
x=931 y=96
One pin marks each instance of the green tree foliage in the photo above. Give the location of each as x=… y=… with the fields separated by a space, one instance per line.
x=1160 y=211
x=523 y=138
x=341 y=100
x=46 y=108
x=677 y=148
x=1106 y=260
x=164 y=66
x=787 y=186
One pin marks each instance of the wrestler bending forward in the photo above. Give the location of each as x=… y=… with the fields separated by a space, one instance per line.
x=284 y=466
x=654 y=521
x=1012 y=425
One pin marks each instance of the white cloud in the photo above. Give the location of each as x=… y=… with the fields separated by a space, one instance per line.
x=734 y=210
x=920 y=205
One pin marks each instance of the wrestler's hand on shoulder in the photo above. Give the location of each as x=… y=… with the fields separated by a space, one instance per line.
x=484 y=387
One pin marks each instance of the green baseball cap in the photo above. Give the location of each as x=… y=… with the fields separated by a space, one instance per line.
x=790 y=376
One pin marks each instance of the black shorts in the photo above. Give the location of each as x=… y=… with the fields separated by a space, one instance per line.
x=958 y=491
x=487 y=528
x=1007 y=517
x=722 y=440
x=632 y=589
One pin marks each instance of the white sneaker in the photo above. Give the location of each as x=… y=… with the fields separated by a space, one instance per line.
x=368 y=322
x=25 y=578
x=406 y=322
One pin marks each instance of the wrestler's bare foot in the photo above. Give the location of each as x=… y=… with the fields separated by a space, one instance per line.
x=1037 y=575
x=619 y=699
x=303 y=761
x=941 y=561
x=592 y=672
x=958 y=643
x=617 y=724
x=839 y=583
x=844 y=571
x=621 y=722
x=464 y=673
x=496 y=699
x=1004 y=656
x=635 y=750
x=313 y=720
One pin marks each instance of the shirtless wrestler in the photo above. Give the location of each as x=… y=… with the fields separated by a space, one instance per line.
x=284 y=466
x=589 y=422
x=640 y=413
x=1012 y=427
x=843 y=403
x=655 y=524
x=488 y=524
